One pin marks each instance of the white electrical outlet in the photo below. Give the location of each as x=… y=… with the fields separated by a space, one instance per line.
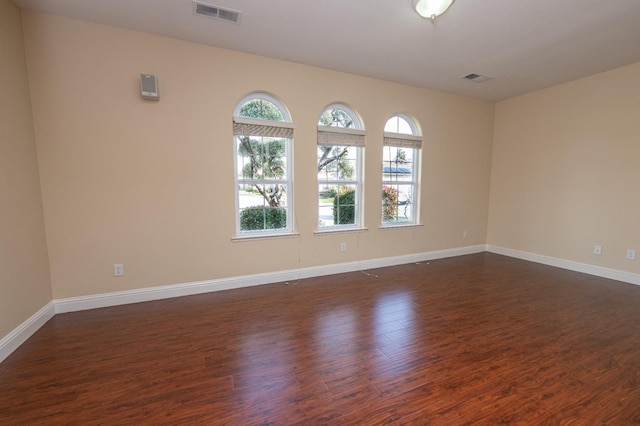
x=597 y=250
x=118 y=269
x=631 y=255
x=343 y=246
x=465 y=234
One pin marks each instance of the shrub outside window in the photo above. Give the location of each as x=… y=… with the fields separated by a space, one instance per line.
x=400 y=161
x=263 y=132
x=339 y=157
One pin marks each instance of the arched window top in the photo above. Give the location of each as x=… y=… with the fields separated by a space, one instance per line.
x=262 y=106
x=341 y=116
x=402 y=131
x=402 y=124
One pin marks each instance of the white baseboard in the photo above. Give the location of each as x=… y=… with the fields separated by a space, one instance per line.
x=13 y=340
x=599 y=271
x=164 y=292
x=20 y=334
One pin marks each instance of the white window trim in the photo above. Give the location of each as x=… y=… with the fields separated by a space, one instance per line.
x=266 y=125
x=244 y=238
x=344 y=136
x=386 y=226
x=406 y=141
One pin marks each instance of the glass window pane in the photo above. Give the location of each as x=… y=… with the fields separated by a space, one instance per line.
x=337 y=117
x=261 y=218
x=397 y=164
x=344 y=205
x=274 y=158
x=262 y=207
x=337 y=205
x=261 y=161
x=261 y=109
x=326 y=198
x=337 y=163
x=249 y=196
x=325 y=215
x=397 y=203
x=398 y=124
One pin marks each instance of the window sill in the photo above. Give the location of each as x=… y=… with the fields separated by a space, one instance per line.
x=244 y=238
x=401 y=226
x=340 y=231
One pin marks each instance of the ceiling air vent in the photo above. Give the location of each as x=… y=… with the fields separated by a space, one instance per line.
x=476 y=77
x=215 y=12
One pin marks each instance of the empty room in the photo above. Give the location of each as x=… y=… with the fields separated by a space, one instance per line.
x=225 y=212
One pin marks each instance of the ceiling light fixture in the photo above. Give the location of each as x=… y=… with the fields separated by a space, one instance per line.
x=431 y=8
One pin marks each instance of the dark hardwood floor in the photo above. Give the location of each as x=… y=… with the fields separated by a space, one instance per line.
x=479 y=339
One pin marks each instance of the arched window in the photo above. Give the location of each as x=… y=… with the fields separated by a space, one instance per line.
x=400 y=166
x=340 y=146
x=263 y=132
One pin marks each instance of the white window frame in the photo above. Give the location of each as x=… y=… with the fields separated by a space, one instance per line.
x=338 y=135
x=405 y=141
x=264 y=129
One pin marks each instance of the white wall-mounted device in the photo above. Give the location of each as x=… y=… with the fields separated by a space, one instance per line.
x=149 y=87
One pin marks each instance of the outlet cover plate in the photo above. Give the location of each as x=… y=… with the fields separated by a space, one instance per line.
x=118 y=270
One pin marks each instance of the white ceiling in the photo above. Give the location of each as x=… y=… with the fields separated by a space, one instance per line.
x=523 y=45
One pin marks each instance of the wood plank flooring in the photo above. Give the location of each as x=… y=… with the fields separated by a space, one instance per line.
x=479 y=339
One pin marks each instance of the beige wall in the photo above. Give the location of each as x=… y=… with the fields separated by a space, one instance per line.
x=24 y=273
x=150 y=185
x=566 y=170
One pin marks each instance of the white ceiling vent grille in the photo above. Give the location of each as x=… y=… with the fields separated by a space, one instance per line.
x=215 y=12
x=476 y=77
